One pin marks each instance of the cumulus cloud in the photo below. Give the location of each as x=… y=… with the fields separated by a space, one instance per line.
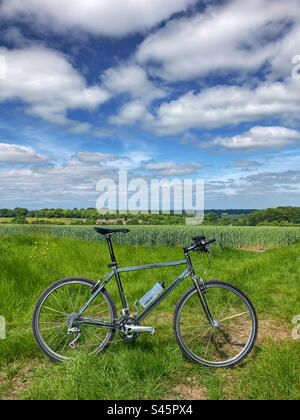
x=246 y=163
x=13 y=153
x=105 y=17
x=95 y=157
x=260 y=138
x=132 y=112
x=225 y=38
x=258 y=190
x=44 y=80
x=133 y=80
x=173 y=169
x=228 y=105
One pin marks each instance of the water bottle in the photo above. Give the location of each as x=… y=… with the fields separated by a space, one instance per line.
x=151 y=295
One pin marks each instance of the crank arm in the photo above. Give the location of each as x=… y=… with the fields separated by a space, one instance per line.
x=139 y=329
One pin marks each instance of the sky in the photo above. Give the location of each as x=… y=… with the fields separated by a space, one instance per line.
x=162 y=89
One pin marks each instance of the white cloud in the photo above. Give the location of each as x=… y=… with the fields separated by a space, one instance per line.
x=260 y=138
x=102 y=17
x=246 y=163
x=130 y=113
x=133 y=80
x=47 y=82
x=228 y=105
x=173 y=169
x=12 y=153
x=225 y=38
x=95 y=157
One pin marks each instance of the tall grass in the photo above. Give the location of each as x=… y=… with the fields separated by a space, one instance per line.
x=233 y=236
x=153 y=366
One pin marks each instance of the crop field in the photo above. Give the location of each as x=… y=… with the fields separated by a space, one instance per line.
x=233 y=236
x=152 y=367
x=30 y=220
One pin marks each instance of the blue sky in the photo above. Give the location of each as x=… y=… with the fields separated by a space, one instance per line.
x=163 y=89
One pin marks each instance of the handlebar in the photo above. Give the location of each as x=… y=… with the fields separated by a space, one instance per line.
x=200 y=244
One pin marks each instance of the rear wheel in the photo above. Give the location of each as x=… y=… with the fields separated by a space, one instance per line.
x=234 y=332
x=55 y=310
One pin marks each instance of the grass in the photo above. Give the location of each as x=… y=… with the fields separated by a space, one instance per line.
x=6 y=220
x=153 y=367
x=226 y=236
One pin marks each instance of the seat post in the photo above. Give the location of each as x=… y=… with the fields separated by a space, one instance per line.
x=115 y=266
x=110 y=247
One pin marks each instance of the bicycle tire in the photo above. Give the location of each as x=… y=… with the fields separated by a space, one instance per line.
x=44 y=347
x=181 y=341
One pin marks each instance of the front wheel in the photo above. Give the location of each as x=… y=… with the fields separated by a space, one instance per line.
x=233 y=334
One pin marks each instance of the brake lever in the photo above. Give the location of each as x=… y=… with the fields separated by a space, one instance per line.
x=202 y=248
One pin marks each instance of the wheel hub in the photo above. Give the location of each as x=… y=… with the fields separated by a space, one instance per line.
x=216 y=324
x=71 y=320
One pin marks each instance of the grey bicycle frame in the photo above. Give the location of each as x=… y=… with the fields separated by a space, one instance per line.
x=116 y=271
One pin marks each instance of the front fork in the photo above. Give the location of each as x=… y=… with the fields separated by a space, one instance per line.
x=201 y=289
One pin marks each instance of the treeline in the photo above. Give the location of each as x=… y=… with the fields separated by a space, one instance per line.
x=280 y=216
x=275 y=216
x=89 y=213
x=92 y=213
x=88 y=216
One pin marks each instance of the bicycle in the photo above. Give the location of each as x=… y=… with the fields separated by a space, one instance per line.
x=215 y=323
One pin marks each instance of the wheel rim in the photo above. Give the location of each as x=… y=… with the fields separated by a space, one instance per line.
x=54 y=320
x=232 y=334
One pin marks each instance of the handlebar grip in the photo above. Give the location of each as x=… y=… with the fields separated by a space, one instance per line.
x=210 y=241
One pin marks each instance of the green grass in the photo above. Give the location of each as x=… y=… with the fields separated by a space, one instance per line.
x=153 y=366
x=226 y=236
x=6 y=220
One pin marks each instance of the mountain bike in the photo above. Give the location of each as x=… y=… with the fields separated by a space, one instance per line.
x=214 y=323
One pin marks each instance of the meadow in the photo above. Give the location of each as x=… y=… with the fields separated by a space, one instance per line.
x=226 y=236
x=153 y=367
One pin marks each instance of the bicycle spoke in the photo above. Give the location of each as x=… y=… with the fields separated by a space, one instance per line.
x=55 y=297
x=78 y=296
x=228 y=338
x=50 y=309
x=57 y=334
x=219 y=316
x=58 y=308
x=194 y=326
x=233 y=316
x=208 y=344
x=70 y=300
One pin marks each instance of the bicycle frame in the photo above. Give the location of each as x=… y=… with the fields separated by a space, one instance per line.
x=146 y=311
x=116 y=271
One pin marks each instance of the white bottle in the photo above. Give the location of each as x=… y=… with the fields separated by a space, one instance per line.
x=152 y=295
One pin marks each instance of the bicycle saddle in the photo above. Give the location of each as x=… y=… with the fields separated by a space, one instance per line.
x=104 y=231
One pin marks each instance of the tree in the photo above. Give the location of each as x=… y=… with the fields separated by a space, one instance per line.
x=212 y=217
x=18 y=211
x=20 y=220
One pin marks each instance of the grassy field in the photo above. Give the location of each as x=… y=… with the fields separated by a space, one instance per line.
x=6 y=220
x=153 y=367
x=226 y=236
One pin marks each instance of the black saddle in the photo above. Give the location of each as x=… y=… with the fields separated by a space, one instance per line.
x=104 y=231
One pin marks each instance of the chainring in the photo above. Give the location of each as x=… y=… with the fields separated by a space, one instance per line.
x=129 y=337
